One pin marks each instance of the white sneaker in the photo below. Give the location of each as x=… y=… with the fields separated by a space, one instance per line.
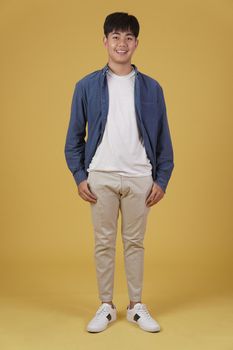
x=140 y=315
x=104 y=315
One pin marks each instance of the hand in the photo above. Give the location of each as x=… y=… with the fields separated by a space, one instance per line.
x=155 y=195
x=85 y=193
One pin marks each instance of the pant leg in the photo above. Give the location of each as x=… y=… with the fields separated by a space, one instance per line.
x=134 y=217
x=105 y=214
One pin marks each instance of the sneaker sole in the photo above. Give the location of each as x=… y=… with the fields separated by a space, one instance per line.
x=153 y=331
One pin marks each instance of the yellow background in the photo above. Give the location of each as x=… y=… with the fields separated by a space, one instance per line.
x=48 y=283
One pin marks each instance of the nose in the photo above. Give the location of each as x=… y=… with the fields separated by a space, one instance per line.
x=122 y=42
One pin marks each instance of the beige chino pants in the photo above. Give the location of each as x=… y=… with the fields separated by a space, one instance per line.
x=115 y=192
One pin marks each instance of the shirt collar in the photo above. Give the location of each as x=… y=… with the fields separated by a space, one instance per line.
x=106 y=68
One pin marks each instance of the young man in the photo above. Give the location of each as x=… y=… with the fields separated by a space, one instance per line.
x=125 y=163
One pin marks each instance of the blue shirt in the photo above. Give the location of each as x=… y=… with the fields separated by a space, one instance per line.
x=90 y=107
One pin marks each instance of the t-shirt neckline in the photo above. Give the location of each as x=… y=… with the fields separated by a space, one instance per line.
x=126 y=76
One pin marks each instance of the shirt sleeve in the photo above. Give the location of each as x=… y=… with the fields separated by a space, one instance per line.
x=75 y=139
x=164 y=149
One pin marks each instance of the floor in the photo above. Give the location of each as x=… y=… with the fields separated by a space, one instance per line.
x=48 y=307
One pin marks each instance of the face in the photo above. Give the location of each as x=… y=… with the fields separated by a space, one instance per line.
x=120 y=46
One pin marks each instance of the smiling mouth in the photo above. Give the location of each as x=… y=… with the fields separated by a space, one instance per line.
x=121 y=52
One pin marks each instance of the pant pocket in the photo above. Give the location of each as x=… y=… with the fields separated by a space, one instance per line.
x=88 y=178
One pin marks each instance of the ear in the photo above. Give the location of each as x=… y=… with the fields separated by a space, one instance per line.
x=104 y=40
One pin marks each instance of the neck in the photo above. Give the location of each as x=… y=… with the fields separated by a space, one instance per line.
x=120 y=68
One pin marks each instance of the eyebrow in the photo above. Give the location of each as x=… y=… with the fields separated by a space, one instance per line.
x=129 y=33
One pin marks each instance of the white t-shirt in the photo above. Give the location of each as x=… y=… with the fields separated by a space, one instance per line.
x=121 y=150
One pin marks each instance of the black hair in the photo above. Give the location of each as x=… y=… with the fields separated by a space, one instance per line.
x=121 y=21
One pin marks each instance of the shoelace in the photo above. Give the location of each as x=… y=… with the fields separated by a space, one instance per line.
x=100 y=312
x=146 y=313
